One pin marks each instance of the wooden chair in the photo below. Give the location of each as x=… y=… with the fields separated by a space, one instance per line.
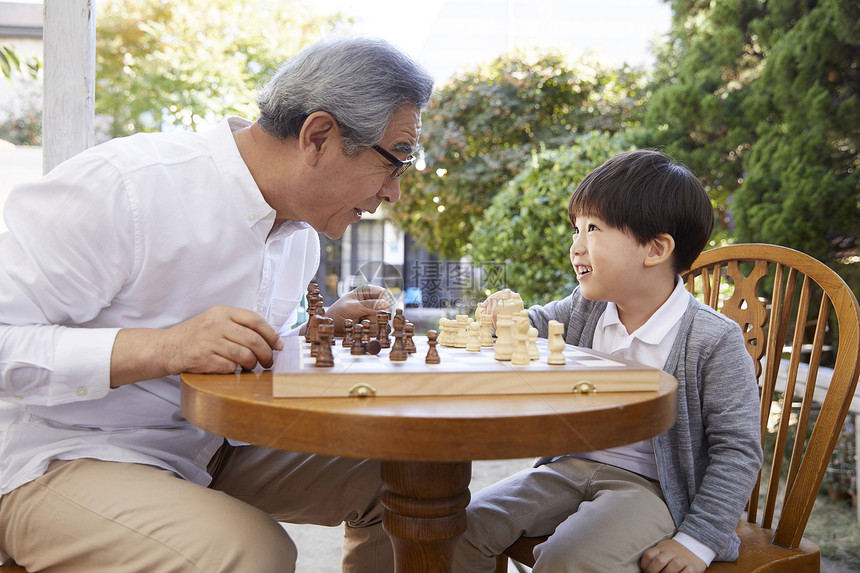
x=772 y=291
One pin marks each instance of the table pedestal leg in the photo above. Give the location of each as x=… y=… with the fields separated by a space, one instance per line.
x=425 y=513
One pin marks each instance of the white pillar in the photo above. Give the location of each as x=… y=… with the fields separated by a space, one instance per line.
x=70 y=71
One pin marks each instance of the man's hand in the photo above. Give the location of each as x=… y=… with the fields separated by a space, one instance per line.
x=215 y=341
x=669 y=556
x=362 y=302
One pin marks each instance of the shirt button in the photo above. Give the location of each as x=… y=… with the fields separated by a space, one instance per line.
x=251 y=216
x=82 y=391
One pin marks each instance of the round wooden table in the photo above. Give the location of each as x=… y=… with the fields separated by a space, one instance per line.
x=426 y=444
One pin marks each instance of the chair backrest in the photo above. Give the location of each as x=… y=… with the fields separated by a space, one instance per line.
x=772 y=292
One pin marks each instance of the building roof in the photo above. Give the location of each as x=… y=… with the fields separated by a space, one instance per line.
x=20 y=20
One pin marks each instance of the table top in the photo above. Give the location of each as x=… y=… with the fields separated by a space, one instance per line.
x=425 y=428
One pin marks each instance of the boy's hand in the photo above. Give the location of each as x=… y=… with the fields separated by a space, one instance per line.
x=669 y=556
x=491 y=305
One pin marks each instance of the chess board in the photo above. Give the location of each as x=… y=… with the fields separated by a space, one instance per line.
x=459 y=372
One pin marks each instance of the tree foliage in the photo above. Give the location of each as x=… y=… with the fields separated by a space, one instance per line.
x=11 y=64
x=164 y=63
x=761 y=101
x=526 y=227
x=484 y=125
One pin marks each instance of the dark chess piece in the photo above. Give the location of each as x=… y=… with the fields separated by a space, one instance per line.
x=314 y=300
x=432 y=354
x=408 y=333
x=314 y=338
x=398 y=353
x=347 y=333
x=313 y=321
x=383 y=328
x=373 y=347
x=357 y=348
x=325 y=332
x=399 y=320
x=366 y=329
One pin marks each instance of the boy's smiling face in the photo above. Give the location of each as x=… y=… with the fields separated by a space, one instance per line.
x=607 y=261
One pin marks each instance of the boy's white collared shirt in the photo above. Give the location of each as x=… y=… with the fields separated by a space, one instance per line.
x=650 y=344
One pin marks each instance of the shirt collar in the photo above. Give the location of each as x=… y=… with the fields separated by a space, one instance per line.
x=661 y=323
x=248 y=198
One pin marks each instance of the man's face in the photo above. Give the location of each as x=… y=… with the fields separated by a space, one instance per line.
x=353 y=186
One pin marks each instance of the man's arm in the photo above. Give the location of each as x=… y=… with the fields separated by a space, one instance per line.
x=216 y=341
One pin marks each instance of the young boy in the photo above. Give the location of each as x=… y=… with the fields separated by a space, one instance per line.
x=670 y=503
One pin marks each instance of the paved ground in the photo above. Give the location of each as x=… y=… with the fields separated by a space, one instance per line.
x=319 y=547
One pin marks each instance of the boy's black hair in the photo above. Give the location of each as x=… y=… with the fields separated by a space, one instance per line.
x=643 y=193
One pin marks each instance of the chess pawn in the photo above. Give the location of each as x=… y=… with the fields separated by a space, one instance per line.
x=534 y=353
x=520 y=356
x=347 y=333
x=440 y=333
x=462 y=331
x=450 y=332
x=325 y=333
x=474 y=342
x=444 y=331
x=408 y=333
x=505 y=331
x=366 y=328
x=357 y=347
x=521 y=319
x=432 y=354
x=486 y=325
x=555 y=343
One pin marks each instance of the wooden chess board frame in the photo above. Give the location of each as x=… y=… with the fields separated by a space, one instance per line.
x=459 y=372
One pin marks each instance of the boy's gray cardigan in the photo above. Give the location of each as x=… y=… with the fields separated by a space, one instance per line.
x=709 y=460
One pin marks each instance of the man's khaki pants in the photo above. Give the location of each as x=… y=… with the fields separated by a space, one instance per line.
x=93 y=516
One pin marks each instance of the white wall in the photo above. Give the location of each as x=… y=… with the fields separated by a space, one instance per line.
x=17 y=165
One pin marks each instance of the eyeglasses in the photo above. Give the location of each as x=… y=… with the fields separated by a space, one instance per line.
x=399 y=166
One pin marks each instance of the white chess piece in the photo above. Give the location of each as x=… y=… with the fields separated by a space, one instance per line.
x=505 y=331
x=518 y=300
x=462 y=331
x=520 y=356
x=447 y=331
x=534 y=353
x=474 y=339
x=486 y=324
x=480 y=310
x=442 y=337
x=555 y=343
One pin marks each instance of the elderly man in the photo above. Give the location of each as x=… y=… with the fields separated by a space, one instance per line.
x=158 y=254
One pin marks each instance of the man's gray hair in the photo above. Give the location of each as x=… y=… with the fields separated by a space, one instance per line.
x=361 y=82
